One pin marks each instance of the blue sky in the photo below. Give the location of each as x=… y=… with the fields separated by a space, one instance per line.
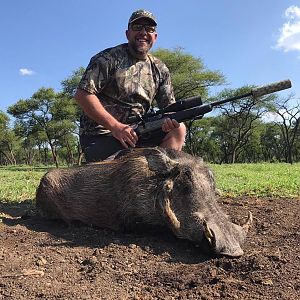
x=250 y=42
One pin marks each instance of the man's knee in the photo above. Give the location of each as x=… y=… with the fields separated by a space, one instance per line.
x=179 y=133
x=175 y=138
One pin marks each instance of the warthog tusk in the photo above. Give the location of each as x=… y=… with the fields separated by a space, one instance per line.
x=208 y=232
x=171 y=215
x=248 y=223
x=166 y=207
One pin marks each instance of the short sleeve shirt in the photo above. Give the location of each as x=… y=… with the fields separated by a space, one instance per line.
x=124 y=85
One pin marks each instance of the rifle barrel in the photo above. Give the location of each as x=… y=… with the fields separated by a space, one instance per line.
x=258 y=92
x=271 y=88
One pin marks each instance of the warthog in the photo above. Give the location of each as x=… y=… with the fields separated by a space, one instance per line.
x=150 y=185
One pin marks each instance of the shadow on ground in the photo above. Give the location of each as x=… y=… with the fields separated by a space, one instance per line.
x=158 y=239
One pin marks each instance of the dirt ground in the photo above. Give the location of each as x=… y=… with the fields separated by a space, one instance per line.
x=42 y=259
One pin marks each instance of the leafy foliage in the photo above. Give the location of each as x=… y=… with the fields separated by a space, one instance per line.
x=189 y=75
x=47 y=115
x=69 y=85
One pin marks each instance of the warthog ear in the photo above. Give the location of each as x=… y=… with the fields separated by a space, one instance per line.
x=166 y=209
x=159 y=162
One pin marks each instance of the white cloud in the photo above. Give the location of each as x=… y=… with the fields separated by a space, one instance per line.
x=289 y=38
x=26 y=72
x=270 y=117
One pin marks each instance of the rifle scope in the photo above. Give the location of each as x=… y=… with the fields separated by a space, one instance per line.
x=174 y=107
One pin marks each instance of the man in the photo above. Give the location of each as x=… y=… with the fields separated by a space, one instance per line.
x=120 y=82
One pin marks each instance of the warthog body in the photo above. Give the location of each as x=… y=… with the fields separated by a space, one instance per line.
x=152 y=186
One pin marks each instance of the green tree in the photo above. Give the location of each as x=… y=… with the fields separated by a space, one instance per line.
x=289 y=124
x=34 y=141
x=253 y=150
x=272 y=143
x=189 y=75
x=69 y=86
x=45 y=112
x=238 y=118
x=8 y=140
x=201 y=140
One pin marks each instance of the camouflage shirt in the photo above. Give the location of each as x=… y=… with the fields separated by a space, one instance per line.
x=124 y=85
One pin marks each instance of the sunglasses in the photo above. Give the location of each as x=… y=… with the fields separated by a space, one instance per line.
x=139 y=27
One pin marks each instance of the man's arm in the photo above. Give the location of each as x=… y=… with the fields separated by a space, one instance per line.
x=93 y=108
x=165 y=97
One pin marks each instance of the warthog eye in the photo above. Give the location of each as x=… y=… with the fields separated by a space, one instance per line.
x=185 y=181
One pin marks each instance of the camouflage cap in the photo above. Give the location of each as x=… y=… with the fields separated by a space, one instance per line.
x=140 y=14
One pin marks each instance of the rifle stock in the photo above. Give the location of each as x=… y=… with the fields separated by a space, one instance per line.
x=180 y=116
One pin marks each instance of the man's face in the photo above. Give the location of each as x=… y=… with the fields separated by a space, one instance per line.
x=141 y=37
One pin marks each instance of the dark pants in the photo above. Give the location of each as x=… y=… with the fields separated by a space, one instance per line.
x=100 y=147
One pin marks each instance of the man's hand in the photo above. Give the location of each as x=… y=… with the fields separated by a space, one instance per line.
x=169 y=125
x=125 y=134
x=91 y=105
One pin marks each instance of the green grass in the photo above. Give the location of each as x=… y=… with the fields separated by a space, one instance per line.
x=19 y=183
x=261 y=180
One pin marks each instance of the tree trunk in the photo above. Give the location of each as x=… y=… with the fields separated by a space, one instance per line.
x=54 y=155
x=70 y=153
x=8 y=159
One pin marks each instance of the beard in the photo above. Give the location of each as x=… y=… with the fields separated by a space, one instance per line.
x=140 y=49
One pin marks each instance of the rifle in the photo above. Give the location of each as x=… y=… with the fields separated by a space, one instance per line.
x=192 y=108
